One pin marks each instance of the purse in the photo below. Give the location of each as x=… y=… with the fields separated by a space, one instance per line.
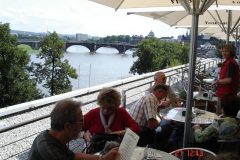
x=99 y=140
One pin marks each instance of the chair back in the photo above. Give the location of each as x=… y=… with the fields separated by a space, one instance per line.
x=230 y=145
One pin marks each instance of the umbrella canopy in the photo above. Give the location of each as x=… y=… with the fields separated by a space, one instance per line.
x=123 y=4
x=225 y=20
x=213 y=31
x=216 y=32
x=193 y=7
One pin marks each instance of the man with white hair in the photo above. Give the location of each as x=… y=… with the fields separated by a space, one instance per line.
x=171 y=99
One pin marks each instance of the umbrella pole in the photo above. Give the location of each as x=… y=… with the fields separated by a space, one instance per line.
x=191 y=78
x=236 y=40
x=229 y=22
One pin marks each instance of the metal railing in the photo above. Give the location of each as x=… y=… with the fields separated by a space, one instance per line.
x=22 y=122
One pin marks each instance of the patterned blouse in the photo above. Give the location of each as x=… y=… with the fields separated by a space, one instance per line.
x=224 y=128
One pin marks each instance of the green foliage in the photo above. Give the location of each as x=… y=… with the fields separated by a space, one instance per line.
x=15 y=83
x=26 y=48
x=153 y=54
x=53 y=72
x=183 y=95
x=116 y=39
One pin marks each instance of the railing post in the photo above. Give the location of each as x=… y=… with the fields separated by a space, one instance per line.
x=182 y=74
x=124 y=98
x=151 y=84
x=169 y=80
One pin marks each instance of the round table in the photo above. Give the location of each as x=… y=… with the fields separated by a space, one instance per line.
x=209 y=80
x=198 y=117
x=138 y=154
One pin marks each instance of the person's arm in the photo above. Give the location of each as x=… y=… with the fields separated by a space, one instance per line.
x=128 y=123
x=120 y=132
x=87 y=136
x=204 y=135
x=150 y=112
x=152 y=123
x=111 y=155
x=171 y=96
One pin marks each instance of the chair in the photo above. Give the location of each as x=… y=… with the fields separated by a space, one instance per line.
x=230 y=145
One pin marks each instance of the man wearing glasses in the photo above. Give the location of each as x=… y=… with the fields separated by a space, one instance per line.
x=66 y=124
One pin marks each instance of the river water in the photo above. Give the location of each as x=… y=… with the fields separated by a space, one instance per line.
x=93 y=69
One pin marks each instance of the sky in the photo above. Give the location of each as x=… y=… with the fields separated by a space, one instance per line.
x=78 y=16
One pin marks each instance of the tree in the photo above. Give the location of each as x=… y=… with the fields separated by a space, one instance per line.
x=15 y=84
x=153 y=54
x=54 y=73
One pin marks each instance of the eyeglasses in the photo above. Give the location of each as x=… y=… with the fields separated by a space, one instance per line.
x=81 y=122
x=225 y=51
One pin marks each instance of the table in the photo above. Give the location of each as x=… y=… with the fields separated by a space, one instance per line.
x=208 y=97
x=198 y=117
x=139 y=153
x=209 y=80
x=205 y=96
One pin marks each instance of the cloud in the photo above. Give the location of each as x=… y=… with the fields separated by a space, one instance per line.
x=76 y=16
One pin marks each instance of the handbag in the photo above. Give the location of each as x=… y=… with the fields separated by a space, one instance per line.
x=99 y=140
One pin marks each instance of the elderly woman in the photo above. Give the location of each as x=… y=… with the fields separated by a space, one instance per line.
x=108 y=117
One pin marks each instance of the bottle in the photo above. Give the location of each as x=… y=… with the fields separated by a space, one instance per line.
x=210 y=95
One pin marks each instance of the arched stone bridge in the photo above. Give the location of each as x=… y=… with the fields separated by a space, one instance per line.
x=121 y=47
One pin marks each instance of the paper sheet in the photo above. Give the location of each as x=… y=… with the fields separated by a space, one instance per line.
x=128 y=145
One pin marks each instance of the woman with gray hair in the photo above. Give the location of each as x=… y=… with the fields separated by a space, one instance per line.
x=108 y=117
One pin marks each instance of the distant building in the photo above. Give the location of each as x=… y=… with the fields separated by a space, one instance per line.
x=208 y=46
x=151 y=34
x=168 y=39
x=135 y=39
x=81 y=37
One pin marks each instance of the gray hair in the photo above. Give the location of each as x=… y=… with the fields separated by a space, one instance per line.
x=109 y=96
x=65 y=111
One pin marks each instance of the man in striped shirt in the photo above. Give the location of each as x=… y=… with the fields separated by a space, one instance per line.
x=145 y=113
x=145 y=110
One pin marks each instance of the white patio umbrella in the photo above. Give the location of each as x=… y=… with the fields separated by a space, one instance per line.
x=212 y=31
x=123 y=4
x=226 y=20
x=194 y=8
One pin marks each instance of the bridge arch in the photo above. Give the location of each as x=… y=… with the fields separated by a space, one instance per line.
x=107 y=46
x=105 y=50
x=77 y=47
x=121 y=47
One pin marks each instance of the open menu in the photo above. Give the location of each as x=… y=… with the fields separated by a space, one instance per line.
x=128 y=144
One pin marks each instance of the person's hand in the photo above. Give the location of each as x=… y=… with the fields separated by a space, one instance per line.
x=215 y=83
x=178 y=102
x=165 y=104
x=120 y=133
x=197 y=127
x=87 y=136
x=113 y=154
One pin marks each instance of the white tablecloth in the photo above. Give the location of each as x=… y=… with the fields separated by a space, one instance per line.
x=198 y=116
x=139 y=153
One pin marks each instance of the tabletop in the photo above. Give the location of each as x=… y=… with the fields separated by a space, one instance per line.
x=206 y=96
x=209 y=80
x=198 y=116
x=138 y=154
